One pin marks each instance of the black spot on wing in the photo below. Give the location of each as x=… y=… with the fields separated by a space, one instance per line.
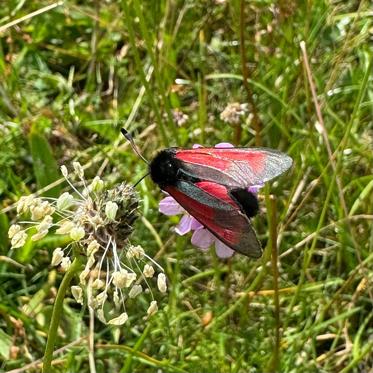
x=247 y=201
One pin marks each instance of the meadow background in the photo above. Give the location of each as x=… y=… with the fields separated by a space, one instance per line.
x=73 y=73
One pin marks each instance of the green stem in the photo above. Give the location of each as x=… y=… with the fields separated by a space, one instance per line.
x=245 y=74
x=56 y=315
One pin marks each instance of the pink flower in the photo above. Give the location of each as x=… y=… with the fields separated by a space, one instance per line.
x=202 y=237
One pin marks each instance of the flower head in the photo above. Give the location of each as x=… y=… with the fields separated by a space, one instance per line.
x=233 y=113
x=97 y=223
x=202 y=237
x=179 y=117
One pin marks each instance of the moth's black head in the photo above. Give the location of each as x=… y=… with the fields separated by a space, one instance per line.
x=164 y=168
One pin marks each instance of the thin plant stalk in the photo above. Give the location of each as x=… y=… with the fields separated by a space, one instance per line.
x=56 y=315
x=245 y=74
x=145 y=83
x=275 y=273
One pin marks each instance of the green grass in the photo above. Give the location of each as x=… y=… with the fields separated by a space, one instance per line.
x=72 y=75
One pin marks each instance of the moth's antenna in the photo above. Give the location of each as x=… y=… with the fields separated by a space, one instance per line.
x=141 y=179
x=128 y=136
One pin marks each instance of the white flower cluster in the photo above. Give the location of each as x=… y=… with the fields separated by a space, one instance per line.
x=179 y=117
x=97 y=223
x=233 y=113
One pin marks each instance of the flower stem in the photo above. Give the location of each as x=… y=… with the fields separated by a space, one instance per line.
x=245 y=74
x=56 y=315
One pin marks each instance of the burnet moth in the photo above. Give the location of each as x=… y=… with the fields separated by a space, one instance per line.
x=212 y=185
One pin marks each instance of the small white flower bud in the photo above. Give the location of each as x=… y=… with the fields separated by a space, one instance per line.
x=101 y=316
x=91 y=261
x=153 y=308
x=64 y=171
x=135 y=291
x=136 y=252
x=123 y=278
x=24 y=203
x=116 y=298
x=64 y=201
x=148 y=271
x=92 y=303
x=92 y=248
x=77 y=233
x=78 y=169
x=65 y=263
x=97 y=185
x=98 y=284
x=41 y=209
x=83 y=275
x=120 y=320
x=57 y=256
x=101 y=298
x=38 y=236
x=111 y=209
x=77 y=293
x=19 y=239
x=161 y=283
x=13 y=229
x=119 y=278
x=65 y=227
x=45 y=224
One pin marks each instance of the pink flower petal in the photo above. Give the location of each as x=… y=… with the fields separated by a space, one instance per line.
x=168 y=206
x=224 y=145
x=255 y=188
x=185 y=225
x=222 y=250
x=202 y=238
x=195 y=224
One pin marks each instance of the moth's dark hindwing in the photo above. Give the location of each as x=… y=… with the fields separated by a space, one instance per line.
x=225 y=221
x=247 y=201
x=164 y=168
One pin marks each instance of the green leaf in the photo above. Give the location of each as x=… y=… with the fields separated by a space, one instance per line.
x=4 y=226
x=45 y=166
x=5 y=344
